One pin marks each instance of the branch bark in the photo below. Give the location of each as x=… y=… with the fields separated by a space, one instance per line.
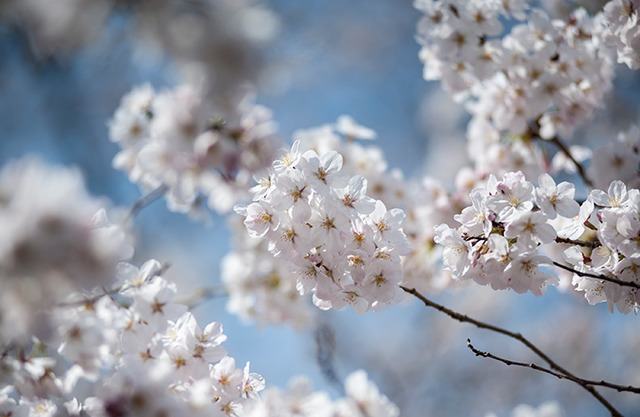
x=602 y=277
x=517 y=336
x=619 y=388
x=583 y=243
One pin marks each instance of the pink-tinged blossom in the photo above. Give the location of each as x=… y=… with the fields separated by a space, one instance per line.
x=556 y=200
x=227 y=379
x=292 y=191
x=524 y=274
x=387 y=228
x=381 y=280
x=474 y=218
x=549 y=71
x=289 y=158
x=131 y=121
x=204 y=346
x=330 y=231
x=350 y=295
x=456 y=250
x=622 y=19
x=323 y=172
x=252 y=383
x=360 y=237
x=327 y=225
x=615 y=198
x=291 y=240
x=261 y=287
x=594 y=289
x=575 y=227
x=496 y=260
x=354 y=196
x=513 y=194
x=260 y=218
x=173 y=139
x=629 y=228
x=530 y=226
x=604 y=257
x=133 y=277
x=154 y=302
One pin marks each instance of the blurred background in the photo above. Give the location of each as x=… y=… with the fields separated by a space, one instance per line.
x=327 y=58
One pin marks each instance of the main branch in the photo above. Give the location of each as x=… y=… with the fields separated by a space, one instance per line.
x=517 y=336
x=534 y=131
x=579 y=381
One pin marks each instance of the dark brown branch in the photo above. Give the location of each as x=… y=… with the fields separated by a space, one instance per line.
x=619 y=388
x=583 y=243
x=534 y=132
x=598 y=276
x=517 y=336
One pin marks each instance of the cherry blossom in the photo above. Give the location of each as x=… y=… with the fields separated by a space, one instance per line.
x=179 y=140
x=327 y=222
x=316 y=223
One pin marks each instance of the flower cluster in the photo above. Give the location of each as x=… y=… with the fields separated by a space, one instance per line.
x=120 y=346
x=510 y=220
x=133 y=352
x=170 y=140
x=261 y=288
x=622 y=17
x=56 y=238
x=497 y=242
x=368 y=160
x=615 y=218
x=425 y=202
x=548 y=73
x=362 y=400
x=343 y=245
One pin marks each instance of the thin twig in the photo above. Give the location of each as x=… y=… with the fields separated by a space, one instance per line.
x=113 y=291
x=145 y=201
x=619 y=388
x=584 y=243
x=517 y=336
x=534 y=131
x=602 y=277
